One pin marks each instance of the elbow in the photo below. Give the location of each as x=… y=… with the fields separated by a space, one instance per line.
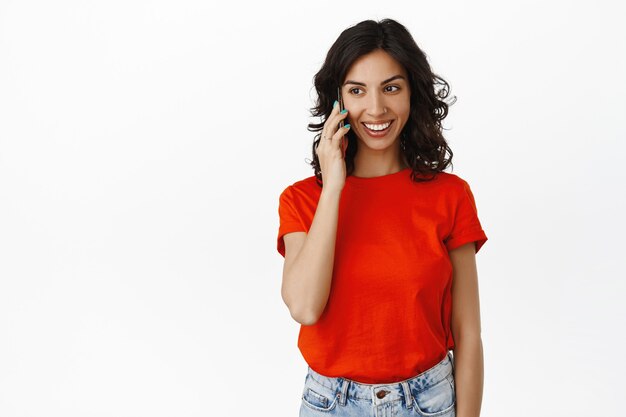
x=302 y=309
x=309 y=320
x=304 y=317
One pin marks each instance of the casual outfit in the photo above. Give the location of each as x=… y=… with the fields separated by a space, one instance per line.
x=388 y=314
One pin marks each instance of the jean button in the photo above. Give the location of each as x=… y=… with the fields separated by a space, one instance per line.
x=381 y=394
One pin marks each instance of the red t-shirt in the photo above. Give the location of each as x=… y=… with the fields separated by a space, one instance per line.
x=388 y=314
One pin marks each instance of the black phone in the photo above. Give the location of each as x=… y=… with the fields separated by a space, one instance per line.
x=341 y=108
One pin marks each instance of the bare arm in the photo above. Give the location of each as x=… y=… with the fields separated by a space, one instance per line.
x=309 y=259
x=468 y=351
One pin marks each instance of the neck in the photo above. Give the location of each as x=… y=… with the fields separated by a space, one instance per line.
x=376 y=164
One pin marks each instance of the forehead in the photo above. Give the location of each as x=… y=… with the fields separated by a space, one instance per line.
x=375 y=67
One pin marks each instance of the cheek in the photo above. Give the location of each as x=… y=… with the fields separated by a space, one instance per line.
x=403 y=116
x=405 y=105
x=404 y=113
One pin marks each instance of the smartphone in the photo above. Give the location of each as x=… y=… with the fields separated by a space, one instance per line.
x=340 y=100
x=343 y=138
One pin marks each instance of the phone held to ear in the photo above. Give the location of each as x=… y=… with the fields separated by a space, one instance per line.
x=341 y=108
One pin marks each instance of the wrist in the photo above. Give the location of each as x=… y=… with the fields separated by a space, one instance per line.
x=331 y=193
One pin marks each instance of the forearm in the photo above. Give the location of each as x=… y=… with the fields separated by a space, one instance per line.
x=468 y=376
x=308 y=279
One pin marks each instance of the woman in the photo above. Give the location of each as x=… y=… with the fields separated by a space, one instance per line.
x=380 y=243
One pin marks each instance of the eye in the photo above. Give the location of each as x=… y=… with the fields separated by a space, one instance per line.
x=356 y=91
x=391 y=88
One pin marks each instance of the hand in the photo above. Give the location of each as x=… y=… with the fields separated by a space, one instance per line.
x=331 y=150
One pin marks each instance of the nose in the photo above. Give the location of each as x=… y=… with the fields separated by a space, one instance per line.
x=376 y=105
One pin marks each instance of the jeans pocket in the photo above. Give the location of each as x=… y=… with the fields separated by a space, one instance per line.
x=318 y=397
x=438 y=399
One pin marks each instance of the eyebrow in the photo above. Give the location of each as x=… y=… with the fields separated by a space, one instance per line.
x=388 y=80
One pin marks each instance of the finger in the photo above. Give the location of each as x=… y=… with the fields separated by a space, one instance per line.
x=335 y=111
x=337 y=137
x=332 y=124
x=324 y=142
x=325 y=137
x=337 y=117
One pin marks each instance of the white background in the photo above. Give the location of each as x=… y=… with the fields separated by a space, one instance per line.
x=143 y=147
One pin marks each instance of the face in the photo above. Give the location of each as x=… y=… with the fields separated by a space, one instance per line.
x=377 y=96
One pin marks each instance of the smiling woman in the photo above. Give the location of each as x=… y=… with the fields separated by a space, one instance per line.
x=380 y=243
x=378 y=96
x=381 y=64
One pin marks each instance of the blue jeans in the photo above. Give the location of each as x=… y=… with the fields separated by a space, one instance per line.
x=430 y=393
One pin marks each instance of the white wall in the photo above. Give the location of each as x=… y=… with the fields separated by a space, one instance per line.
x=143 y=146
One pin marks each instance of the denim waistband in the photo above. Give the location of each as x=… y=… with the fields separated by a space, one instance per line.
x=382 y=393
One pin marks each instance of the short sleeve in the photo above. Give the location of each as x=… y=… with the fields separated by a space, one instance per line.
x=290 y=219
x=466 y=227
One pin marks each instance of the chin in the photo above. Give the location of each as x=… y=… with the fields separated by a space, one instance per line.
x=378 y=143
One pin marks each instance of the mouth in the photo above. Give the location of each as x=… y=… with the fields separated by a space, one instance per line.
x=377 y=130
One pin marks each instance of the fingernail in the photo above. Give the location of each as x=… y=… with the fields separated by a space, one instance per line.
x=344 y=111
x=335 y=103
x=347 y=126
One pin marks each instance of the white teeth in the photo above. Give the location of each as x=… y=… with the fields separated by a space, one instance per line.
x=377 y=127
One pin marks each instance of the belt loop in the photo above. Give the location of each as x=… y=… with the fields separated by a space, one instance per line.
x=343 y=395
x=408 y=398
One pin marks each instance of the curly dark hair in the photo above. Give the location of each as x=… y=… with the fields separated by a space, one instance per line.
x=422 y=141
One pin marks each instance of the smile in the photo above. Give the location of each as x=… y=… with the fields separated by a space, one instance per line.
x=377 y=130
x=377 y=127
